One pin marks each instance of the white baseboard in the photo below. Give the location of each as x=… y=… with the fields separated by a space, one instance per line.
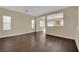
x=31 y=32
x=61 y=36
x=15 y=34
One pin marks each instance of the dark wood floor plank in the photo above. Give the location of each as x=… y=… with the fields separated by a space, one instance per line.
x=36 y=42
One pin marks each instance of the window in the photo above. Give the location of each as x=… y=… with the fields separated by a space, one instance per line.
x=6 y=23
x=42 y=21
x=33 y=24
x=55 y=20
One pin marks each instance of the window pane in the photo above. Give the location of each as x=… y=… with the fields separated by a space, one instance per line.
x=54 y=16
x=62 y=23
x=7 y=19
x=7 y=26
x=33 y=24
x=42 y=21
x=50 y=23
x=58 y=23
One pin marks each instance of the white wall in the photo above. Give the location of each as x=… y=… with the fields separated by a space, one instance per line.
x=21 y=23
x=70 y=24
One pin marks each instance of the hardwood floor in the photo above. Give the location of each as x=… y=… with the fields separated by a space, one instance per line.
x=36 y=42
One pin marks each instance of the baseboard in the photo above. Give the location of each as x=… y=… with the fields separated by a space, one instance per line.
x=16 y=34
x=33 y=32
x=59 y=37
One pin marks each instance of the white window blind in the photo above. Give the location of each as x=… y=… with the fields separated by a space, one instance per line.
x=6 y=23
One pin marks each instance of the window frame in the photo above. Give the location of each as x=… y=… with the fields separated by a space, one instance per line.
x=54 y=17
x=6 y=23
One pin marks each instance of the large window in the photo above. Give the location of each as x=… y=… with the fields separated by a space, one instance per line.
x=6 y=23
x=55 y=20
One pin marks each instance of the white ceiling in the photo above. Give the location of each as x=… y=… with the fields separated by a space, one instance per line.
x=35 y=10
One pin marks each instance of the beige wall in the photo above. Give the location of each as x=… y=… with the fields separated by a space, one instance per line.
x=70 y=24
x=77 y=32
x=21 y=23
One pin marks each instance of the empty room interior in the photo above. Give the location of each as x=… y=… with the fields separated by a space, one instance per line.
x=39 y=29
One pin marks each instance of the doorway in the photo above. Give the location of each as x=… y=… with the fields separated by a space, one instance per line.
x=42 y=25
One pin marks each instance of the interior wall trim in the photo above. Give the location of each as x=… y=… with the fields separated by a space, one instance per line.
x=15 y=34
x=60 y=37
